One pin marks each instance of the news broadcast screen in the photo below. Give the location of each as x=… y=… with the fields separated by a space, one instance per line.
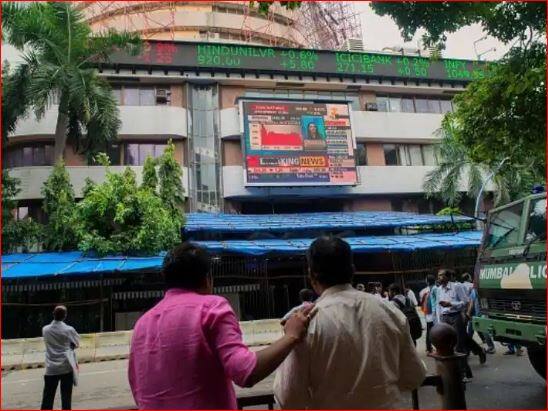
x=296 y=143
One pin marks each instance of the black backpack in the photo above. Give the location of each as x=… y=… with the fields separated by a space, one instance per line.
x=415 y=326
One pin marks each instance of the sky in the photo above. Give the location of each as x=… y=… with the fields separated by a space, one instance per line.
x=381 y=31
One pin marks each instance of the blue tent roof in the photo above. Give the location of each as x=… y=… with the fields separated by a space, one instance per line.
x=16 y=266
x=226 y=223
x=72 y=263
x=371 y=244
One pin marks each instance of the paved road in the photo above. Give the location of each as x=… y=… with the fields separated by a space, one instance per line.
x=505 y=382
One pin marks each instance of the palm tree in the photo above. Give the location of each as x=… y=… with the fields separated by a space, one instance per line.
x=456 y=169
x=58 y=53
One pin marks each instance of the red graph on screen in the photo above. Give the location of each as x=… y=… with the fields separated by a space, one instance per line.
x=272 y=138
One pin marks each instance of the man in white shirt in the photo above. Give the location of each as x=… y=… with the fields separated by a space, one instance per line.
x=358 y=354
x=452 y=303
x=426 y=306
x=60 y=340
x=467 y=283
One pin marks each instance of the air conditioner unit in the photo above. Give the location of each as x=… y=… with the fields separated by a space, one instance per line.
x=371 y=107
x=162 y=96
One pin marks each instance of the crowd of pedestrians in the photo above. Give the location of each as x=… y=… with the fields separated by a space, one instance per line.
x=344 y=346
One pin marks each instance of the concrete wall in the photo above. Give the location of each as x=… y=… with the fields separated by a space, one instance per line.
x=33 y=178
x=368 y=126
x=373 y=180
x=161 y=121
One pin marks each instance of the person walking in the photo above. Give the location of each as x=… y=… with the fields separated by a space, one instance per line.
x=357 y=353
x=475 y=310
x=426 y=306
x=453 y=301
x=60 y=340
x=187 y=351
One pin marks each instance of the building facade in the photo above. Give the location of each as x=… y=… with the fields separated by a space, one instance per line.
x=163 y=95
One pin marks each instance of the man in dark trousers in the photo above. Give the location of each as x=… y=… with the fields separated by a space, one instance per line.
x=60 y=340
x=453 y=301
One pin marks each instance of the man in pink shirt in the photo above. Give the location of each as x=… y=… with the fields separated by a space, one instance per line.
x=187 y=350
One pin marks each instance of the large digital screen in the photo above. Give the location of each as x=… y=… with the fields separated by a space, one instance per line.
x=232 y=57
x=297 y=143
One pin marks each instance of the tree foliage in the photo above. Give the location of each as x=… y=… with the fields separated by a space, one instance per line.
x=504 y=115
x=504 y=21
x=459 y=174
x=59 y=50
x=499 y=117
x=171 y=186
x=150 y=177
x=16 y=234
x=118 y=217
x=59 y=205
x=264 y=6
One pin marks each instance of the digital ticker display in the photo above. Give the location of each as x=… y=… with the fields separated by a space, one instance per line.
x=297 y=143
x=243 y=57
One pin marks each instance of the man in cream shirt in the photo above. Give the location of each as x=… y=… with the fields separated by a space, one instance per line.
x=358 y=353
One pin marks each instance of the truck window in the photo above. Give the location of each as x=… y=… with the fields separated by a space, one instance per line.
x=504 y=227
x=536 y=228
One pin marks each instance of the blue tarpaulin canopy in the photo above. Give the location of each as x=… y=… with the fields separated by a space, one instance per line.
x=226 y=223
x=18 y=266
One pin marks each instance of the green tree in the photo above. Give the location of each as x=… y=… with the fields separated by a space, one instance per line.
x=118 y=217
x=501 y=117
x=171 y=185
x=264 y=6
x=14 y=103
x=150 y=178
x=457 y=169
x=24 y=233
x=59 y=206
x=59 y=50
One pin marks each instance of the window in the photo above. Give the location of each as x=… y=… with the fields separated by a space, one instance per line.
x=390 y=155
x=131 y=96
x=395 y=104
x=117 y=93
x=361 y=154
x=536 y=228
x=446 y=106
x=352 y=98
x=504 y=227
x=407 y=105
x=413 y=104
x=382 y=103
x=136 y=153
x=415 y=155
x=429 y=155
x=28 y=156
x=147 y=96
x=410 y=154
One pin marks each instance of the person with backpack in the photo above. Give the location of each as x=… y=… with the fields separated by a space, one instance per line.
x=408 y=309
x=425 y=298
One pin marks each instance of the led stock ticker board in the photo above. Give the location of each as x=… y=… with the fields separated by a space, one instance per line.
x=187 y=55
x=297 y=143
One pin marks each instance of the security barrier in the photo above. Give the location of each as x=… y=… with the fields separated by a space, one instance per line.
x=30 y=352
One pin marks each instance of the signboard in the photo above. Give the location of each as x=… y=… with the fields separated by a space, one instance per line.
x=526 y=275
x=312 y=62
x=297 y=143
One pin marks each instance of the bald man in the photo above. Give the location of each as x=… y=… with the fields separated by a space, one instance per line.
x=60 y=340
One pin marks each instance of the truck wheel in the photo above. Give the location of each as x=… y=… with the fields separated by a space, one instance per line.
x=537 y=356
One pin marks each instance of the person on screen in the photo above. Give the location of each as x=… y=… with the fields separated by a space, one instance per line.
x=313 y=133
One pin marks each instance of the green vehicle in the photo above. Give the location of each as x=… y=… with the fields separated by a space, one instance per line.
x=510 y=276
